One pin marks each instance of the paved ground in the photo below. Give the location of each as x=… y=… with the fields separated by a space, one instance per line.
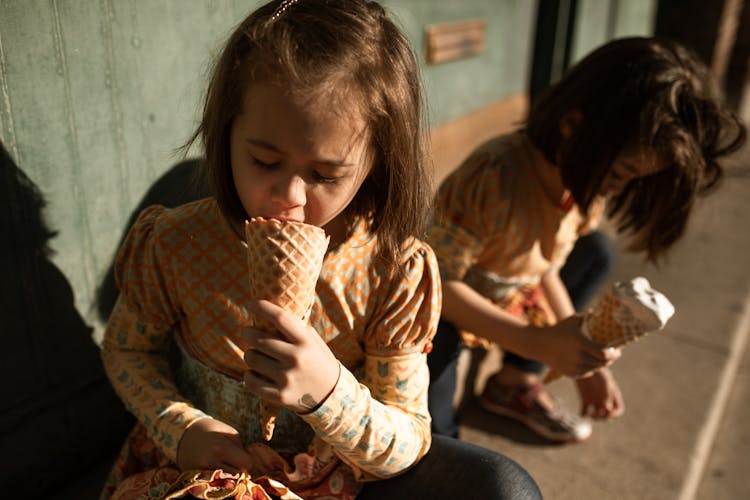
x=687 y=389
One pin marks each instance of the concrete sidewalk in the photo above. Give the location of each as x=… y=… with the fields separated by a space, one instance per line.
x=687 y=389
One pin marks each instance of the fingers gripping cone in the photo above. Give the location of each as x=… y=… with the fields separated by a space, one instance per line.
x=626 y=312
x=284 y=261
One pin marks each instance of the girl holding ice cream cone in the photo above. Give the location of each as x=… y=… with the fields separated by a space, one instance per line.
x=313 y=115
x=638 y=123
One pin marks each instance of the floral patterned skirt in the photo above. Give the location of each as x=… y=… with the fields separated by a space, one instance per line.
x=290 y=468
x=142 y=472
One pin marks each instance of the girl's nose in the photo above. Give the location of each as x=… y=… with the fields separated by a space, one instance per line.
x=290 y=191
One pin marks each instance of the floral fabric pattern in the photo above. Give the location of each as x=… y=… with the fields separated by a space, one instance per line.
x=494 y=219
x=182 y=276
x=492 y=212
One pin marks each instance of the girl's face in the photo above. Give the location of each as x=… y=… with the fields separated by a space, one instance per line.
x=628 y=166
x=297 y=160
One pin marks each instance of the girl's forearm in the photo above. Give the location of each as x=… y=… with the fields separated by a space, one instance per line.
x=136 y=371
x=557 y=295
x=380 y=425
x=468 y=310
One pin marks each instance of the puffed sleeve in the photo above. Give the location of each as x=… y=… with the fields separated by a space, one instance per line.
x=137 y=333
x=470 y=204
x=380 y=425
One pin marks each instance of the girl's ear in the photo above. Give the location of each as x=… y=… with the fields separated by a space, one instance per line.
x=569 y=123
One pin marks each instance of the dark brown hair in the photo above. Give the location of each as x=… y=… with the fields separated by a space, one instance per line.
x=347 y=51
x=641 y=93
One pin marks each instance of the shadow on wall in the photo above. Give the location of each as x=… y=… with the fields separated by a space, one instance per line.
x=179 y=185
x=58 y=413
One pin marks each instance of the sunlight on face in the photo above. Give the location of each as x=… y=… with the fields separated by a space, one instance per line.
x=628 y=166
x=295 y=159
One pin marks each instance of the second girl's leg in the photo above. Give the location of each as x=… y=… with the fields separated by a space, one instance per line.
x=456 y=469
x=588 y=266
x=517 y=391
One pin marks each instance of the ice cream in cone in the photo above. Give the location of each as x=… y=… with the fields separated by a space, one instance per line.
x=629 y=310
x=284 y=260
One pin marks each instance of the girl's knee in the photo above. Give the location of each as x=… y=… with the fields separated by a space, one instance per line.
x=490 y=474
x=511 y=480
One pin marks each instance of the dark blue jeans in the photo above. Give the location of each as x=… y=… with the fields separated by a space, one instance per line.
x=586 y=269
x=456 y=469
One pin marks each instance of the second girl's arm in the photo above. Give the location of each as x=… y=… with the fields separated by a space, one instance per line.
x=561 y=346
x=557 y=294
x=600 y=395
x=468 y=310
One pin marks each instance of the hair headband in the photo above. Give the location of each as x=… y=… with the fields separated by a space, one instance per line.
x=281 y=9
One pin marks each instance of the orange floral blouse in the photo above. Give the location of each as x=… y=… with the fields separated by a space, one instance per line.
x=492 y=213
x=182 y=272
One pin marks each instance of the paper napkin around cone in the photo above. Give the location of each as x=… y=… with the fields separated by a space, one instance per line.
x=626 y=312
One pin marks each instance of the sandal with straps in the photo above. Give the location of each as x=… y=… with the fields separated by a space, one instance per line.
x=522 y=404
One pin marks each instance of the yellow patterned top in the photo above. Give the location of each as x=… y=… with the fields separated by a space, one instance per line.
x=183 y=272
x=493 y=213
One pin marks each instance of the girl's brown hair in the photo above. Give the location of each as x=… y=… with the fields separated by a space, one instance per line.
x=643 y=94
x=347 y=51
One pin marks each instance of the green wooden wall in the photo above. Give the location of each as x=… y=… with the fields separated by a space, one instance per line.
x=600 y=20
x=457 y=87
x=95 y=96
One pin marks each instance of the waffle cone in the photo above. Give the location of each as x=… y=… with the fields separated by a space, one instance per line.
x=610 y=324
x=284 y=261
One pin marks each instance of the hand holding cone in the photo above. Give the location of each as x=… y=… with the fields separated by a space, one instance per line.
x=626 y=312
x=284 y=260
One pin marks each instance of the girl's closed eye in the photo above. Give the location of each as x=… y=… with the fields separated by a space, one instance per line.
x=324 y=179
x=316 y=175
x=266 y=165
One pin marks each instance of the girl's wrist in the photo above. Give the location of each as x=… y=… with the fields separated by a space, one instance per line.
x=523 y=339
x=529 y=330
x=309 y=404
